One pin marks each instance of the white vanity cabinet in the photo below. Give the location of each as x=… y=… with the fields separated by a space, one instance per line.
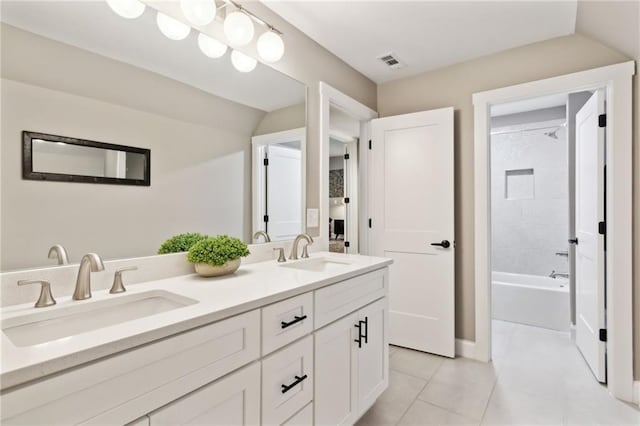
x=319 y=357
x=351 y=369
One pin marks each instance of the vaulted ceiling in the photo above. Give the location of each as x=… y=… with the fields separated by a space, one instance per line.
x=425 y=35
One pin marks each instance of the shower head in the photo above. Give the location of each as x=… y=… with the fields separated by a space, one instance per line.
x=553 y=134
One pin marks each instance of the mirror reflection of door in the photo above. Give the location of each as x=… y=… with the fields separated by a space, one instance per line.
x=278 y=177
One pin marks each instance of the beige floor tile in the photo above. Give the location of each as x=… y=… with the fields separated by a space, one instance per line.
x=460 y=396
x=512 y=407
x=415 y=363
x=392 y=404
x=425 y=414
x=467 y=370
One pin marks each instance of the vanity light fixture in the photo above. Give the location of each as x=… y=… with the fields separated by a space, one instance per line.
x=210 y=46
x=238 y=27
x=242 y=62
x=270 y=46
x=171 y=27
x=199 y=12
x=129 y=9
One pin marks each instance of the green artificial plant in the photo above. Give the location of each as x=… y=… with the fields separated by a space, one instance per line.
x=180 y=243
x=217 y=251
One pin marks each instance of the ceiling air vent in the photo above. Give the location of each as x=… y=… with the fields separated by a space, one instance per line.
x=392 y=61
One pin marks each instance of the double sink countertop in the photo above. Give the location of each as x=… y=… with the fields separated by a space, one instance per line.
x=39 y=342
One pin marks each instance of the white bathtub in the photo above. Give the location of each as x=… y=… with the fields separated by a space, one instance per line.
x=531 y=299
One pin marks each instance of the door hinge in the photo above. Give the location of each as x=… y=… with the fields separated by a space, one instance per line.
x=346 y=156
x=602 y=228
x=603 y=334
x=346 y=244
x=370 y=223
x=369 y=143
x=266 y=218
x=602 y=120
x=265 y=162
x=346 y=200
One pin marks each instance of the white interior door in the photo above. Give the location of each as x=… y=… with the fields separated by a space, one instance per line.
x=284 y=192
x=413 y=223
x=590 y=207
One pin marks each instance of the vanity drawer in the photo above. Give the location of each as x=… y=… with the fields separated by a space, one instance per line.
x=341 y=299
x=286 y=321
x=287 y=382
x=231 y=401
x=302 y=418
x=121 y=388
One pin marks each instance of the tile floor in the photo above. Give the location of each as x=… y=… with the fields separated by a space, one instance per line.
x=538 y=377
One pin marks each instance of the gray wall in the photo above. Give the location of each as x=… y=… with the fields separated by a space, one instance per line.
x=529 y=210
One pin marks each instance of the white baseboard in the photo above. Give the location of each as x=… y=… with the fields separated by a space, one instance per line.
x=466 y=348
x=636 y=392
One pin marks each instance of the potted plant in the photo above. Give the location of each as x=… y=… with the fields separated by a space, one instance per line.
x=180 y=243
x=215 y=256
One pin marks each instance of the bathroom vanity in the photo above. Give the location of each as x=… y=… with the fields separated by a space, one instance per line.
x=298 y=343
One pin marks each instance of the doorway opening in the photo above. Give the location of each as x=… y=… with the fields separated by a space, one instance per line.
x=616 y=82
x=344 y=133
x=547 y=196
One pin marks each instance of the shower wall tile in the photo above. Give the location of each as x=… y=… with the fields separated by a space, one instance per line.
x=526 y=233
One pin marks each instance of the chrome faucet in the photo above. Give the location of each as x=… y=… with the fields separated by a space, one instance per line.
x=267 y=238
x=294 y=246
x=555 y=274
x=59 y=252
x=90 y=263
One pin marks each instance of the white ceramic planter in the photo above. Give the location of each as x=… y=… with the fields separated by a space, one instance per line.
x=205 y=270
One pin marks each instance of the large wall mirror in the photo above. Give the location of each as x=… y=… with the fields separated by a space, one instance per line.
x=76 y=69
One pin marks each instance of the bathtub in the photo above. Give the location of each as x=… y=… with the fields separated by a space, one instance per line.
x=531 y=299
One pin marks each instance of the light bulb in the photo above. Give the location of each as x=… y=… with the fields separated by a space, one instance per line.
x=172 y=28
x=199 y=12
x=238 y=28
x=270 y=46
x=129 y=9
x=211 y=47
x=242 y=62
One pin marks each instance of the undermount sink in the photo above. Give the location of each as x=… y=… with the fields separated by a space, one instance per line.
x=317 y=265
x=46 y=326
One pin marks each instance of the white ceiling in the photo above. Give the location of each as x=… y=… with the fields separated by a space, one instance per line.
x=91 y=25
x=532 y=104
x=426 y=35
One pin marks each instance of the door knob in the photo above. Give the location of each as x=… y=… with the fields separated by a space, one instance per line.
x=573 y=241
x=443 y=244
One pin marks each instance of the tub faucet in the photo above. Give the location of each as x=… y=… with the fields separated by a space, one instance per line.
x=267 y=238
x=555 y=274
x=90 y=263
x=59 y=252
x=294 y=246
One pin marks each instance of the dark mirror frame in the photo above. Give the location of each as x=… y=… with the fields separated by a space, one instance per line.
x=29 y=174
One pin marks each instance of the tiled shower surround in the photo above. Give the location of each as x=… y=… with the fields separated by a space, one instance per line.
x=529 y=198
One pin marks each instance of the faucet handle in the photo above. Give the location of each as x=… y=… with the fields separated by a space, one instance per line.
x=59 y=252
x=45 y=298
x=281 y=256
x=118 y=285
x=305 y=252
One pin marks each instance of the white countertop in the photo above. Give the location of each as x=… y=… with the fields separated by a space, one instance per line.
x=251 y=287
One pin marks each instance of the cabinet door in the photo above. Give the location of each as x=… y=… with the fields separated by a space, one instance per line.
x=233 y=400
x=373 y=354
x=335 y=373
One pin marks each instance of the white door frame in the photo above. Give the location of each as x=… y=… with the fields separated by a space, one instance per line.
x=330 y=97
x=258 y=144
x=617 y=81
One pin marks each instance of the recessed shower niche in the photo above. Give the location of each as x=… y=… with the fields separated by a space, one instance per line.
x=519 y=184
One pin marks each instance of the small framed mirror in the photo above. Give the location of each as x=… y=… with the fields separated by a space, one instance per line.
x=65 y=159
